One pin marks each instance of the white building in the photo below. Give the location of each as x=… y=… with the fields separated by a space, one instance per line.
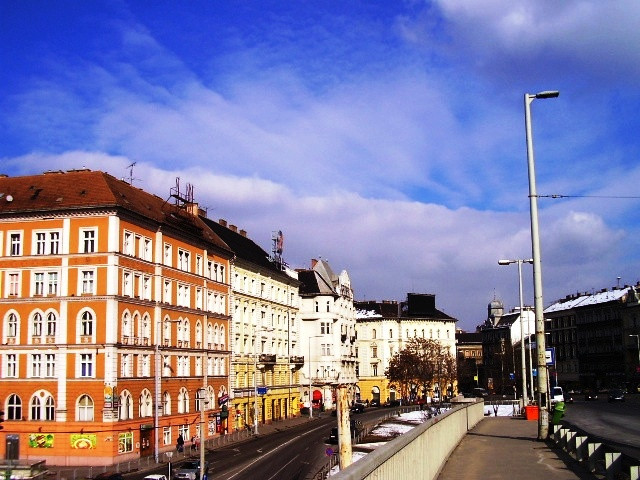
x=328 y=334
x=384 y=328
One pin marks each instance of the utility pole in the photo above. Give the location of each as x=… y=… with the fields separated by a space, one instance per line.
x=344 y=428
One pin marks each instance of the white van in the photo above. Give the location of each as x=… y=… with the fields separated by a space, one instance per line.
x=557 y=395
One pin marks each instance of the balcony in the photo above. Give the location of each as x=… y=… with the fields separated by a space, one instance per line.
x=296 y=359
x=267 y=358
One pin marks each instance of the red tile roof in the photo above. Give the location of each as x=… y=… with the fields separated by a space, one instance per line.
x=57 y=192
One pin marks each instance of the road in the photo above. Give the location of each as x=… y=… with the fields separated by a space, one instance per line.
x=616 y=423
x=295 y=453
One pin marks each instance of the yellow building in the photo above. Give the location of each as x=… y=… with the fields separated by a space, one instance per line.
x=265 y=331
x=113 y=317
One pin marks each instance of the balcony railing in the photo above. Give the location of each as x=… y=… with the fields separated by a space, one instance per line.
x=267 y=358
x=296 y=359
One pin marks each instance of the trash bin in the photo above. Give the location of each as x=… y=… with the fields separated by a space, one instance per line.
x=558 y=413
x=531 y=412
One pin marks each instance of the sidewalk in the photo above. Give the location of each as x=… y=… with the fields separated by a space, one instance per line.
x=507 y=447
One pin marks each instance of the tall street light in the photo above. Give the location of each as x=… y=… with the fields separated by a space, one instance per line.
x=543 y=419
x=637 y=345
x=523 y=360
x=255 y=376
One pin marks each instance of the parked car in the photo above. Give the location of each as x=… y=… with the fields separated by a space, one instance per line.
x=189 y=470
x=590 y=395
x=357 y=408
x=375 y=403
x=356 y=426
x=480 y=392
x=392 y=403
x=615 y=395
x=155 y=477
x=557 y=395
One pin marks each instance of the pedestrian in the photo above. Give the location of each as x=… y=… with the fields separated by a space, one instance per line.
x=180 y=443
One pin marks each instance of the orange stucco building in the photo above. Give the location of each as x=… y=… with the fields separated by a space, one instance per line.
x=114 y=319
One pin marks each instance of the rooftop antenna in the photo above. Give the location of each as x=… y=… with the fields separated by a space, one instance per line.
x=130 y=167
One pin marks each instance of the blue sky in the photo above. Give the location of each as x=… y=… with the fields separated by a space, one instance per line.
x=386 y=137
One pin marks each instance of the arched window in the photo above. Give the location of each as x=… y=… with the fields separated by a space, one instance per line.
x=373 y=333
x=12 y=327
x=166 y=403
x=14 y=407
x=35 y=407
x=183 y=401
x=146 y=407
x=222 y=337
x=127 y=327
x=166 y=331
x=84 y=409
x=52 y=324
x=36 y=325
x=42 y=406
x=145 y=329
x=86 y=324
x=209 y=335
x=198 y=331
x=126 y=405
x=216 y=334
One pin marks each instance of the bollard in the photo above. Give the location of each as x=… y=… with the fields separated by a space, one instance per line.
x=563 y=437
x=594 y=454
x=612 y=464
x=580 y=452
x=568 y=440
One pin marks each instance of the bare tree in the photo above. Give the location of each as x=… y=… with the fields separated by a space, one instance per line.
x=423 y=362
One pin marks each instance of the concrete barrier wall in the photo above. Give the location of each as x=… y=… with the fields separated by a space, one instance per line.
x=598 y=457
x=419 y=453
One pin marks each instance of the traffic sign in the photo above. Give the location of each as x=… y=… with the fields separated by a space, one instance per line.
x=262 y=390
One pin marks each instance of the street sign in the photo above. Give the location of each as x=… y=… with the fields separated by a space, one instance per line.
x=262 y=390
x=550 y=355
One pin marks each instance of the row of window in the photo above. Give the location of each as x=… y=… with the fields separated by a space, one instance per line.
x=43 y=365
x=46 y=283
x=43 y=327
x=263 y=290
x=135 y=329
x=41 y=405
x=374 y=333
x=49 y=242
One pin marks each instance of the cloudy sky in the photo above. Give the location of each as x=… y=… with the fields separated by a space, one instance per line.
x=386 y=137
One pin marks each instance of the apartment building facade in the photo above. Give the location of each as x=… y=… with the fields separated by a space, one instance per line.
x=265 y=333
x=383 y=329
x=114 y=320
x=328 y=335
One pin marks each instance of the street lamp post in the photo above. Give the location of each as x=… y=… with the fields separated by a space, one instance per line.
x=543 y=419
x=637 y=345
x=522 y=355
x=255 y=376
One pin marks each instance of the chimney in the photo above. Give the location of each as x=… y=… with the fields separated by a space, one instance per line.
x=243 y=233
x=313 y=262
x=222 y=222
x=233 y=228
x=192 y=208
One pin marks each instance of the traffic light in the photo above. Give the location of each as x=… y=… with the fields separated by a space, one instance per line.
x=1 y=419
